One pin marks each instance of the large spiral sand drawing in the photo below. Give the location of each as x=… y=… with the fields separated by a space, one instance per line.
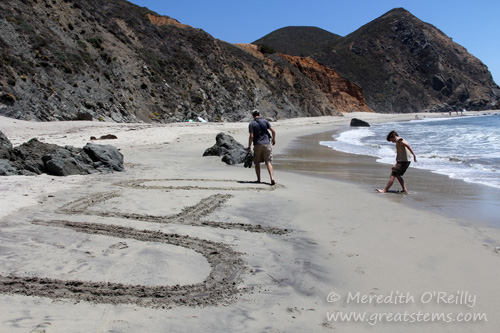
x=220 y=286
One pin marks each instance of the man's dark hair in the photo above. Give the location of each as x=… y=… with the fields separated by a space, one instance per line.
x=391 y=135
x=255 y=113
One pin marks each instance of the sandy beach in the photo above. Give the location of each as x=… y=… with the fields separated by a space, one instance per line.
x=181 y=243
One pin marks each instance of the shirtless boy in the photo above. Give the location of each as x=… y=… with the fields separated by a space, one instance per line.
x=403 y=160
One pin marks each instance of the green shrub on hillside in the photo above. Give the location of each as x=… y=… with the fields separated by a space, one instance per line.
x=96 y=42
x=266 y=49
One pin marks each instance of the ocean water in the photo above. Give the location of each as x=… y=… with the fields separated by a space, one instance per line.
x=461 y=147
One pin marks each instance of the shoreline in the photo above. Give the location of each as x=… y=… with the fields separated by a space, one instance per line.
x=470 y=202
x=176 y=224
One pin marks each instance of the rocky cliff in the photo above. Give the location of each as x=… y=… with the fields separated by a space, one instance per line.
x=343 y=94
x=114 y=61
x=401 y=63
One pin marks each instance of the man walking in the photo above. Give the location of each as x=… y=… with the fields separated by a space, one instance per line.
x=403 y=160
x=262 y=151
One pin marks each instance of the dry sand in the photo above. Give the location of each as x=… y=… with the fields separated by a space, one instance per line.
x=180 y=242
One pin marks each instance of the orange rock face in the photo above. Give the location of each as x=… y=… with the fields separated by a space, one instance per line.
x=164 y=20
x=344 y=95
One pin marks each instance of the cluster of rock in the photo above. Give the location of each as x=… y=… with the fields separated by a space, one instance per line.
x=232 y=151
x=35 y=157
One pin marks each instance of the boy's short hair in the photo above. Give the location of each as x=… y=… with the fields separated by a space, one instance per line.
x=391 y=135
x=255 y=113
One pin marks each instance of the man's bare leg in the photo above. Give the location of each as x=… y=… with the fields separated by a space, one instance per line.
x=271 y=172
x=257 y=171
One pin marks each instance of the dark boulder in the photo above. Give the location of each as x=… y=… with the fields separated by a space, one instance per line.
x=232 y=151
x=66 y=162
x=35 y=157
x=355 y=122
x=28 y=156
x=6 y=169
x=5 y=146
x=75 y=161
x=104 y=157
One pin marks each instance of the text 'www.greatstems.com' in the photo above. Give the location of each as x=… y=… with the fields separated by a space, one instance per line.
x=374 y=318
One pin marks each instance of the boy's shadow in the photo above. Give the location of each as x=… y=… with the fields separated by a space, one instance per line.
x=253 y=182
x=396 y=192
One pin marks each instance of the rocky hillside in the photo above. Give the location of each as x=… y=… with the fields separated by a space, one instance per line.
x=343 y=94
x=113 y=61
x=401 y=63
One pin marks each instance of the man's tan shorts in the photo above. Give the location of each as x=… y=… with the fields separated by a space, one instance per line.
x=262 y=153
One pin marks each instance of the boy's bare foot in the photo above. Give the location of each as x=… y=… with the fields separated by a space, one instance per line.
x=273 y=182
x=380 y=191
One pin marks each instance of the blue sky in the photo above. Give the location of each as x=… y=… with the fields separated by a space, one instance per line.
x=473 y=24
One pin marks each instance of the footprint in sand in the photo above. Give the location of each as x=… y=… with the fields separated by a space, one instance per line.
x=359 y=270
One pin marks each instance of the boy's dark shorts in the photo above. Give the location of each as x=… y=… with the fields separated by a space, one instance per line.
x=400 y=168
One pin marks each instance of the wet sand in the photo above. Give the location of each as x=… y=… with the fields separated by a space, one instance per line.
x=474 y=204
